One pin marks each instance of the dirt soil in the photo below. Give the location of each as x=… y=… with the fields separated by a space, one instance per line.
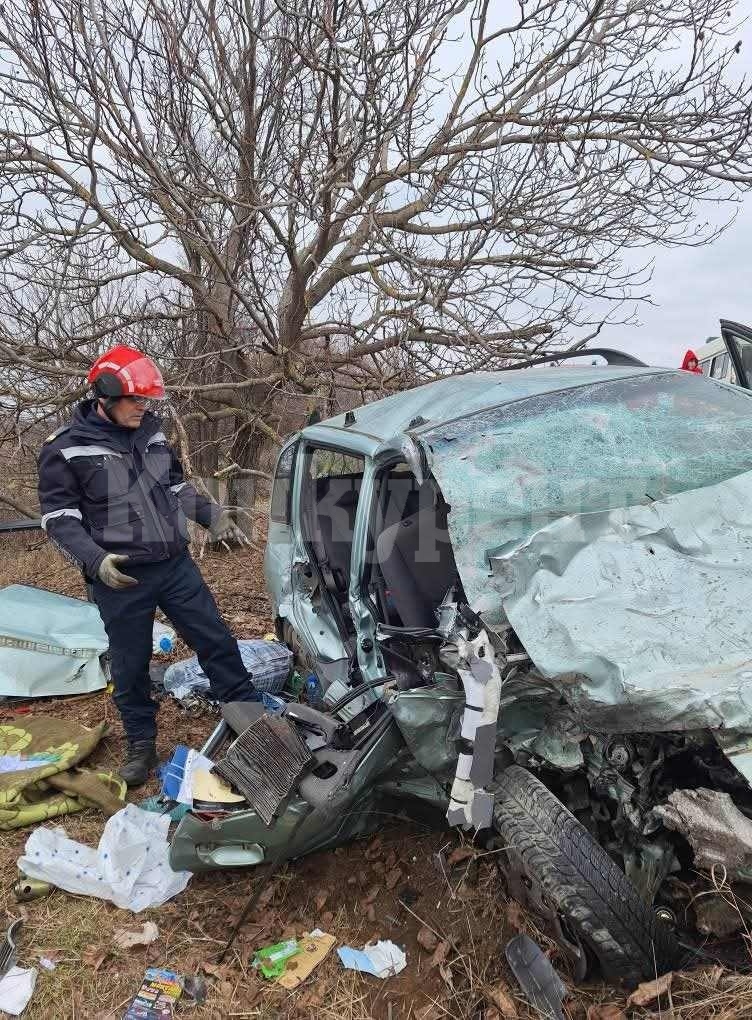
x=439 y=898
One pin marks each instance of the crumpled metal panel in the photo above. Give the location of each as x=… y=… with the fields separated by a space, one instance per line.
x=719 y=834
x=641 y=614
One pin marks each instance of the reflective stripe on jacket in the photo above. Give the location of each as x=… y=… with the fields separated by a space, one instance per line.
x=103 y=488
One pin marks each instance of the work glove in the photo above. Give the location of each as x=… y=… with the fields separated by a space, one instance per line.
x=226 y=530
x=111 y=576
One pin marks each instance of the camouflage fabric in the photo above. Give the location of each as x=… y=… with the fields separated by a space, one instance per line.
x=37 y=756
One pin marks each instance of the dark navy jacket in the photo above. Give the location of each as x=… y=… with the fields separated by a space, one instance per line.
x=103 y=488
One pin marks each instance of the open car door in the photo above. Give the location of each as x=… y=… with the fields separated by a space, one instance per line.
x=738 y=340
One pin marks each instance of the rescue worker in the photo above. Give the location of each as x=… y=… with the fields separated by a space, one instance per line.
x=115 y=502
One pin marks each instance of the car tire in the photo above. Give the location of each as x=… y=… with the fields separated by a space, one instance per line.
x=565 y=871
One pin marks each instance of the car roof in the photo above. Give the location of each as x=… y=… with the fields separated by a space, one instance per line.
x=459 y=395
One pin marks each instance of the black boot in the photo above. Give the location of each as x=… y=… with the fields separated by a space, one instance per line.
x=142 y=758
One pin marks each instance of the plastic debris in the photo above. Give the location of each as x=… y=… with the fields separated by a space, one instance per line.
x=268 y=662
x=314 y=948
x=539 y=981
x=156 y=997
x=196 y=988
x=163 y=639
x=177 y=774
x=125 y=939
x=130 y=867
x=272 y=960
x=16 y=990
x=47 y=963
x=158 y=805
x=383 y=959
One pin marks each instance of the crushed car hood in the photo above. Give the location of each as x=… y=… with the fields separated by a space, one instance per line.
x=641 y=614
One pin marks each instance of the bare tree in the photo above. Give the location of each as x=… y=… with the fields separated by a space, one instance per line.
x=288 y=204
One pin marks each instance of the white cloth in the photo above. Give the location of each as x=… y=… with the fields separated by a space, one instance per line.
x=16 y=989
x=130 y=867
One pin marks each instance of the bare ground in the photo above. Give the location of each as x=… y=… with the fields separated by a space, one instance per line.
x=389 y=886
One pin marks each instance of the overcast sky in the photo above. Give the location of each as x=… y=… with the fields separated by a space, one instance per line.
x=692 y=288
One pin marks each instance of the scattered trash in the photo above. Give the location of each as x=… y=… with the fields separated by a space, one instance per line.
x=314 y=691
x=210 y=790
x=539 y=981
x=8 y=947
x=47 y=963
x=177 y=774
x=383 y=959
x=50 y=787
x=27 y=889
x=648 y=991
x=49 y=644
x=296 y=684
x=196 y=988
x=163 y=638
x=125 y=939
x=16 y=990
x=272 y=960
x=268 y=662
x=158 y=805
x=314 y=947
x=130 y=866
x=156 y=997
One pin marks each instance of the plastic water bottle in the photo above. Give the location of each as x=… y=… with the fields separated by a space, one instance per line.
x=314 y=693
x=163 y=639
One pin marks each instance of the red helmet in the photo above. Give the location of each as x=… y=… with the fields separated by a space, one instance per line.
x=126 y=372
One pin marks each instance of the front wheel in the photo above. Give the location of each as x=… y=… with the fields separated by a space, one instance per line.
x=555 y=867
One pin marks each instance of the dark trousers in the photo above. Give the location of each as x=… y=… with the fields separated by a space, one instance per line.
x=178 y=589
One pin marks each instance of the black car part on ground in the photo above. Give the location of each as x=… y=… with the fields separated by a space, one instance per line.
x=22 y=525
x=554 y=866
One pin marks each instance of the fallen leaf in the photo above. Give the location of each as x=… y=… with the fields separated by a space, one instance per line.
x=374 y=849
x=650 y=990
x=427 y=939
x=371 y=913
x=94 y=956
x=492 y=1013
x=515 y=916
x=393 y=878
x=214 y=970
x=459 y=854
x=267 y=895
x=430 y=1012
x=391 y=859
x=446 y=976
x=440 y=954
x=606 y=1011
x=321 y=900
x=372 y=893
x=125 y=939
x=501 y=998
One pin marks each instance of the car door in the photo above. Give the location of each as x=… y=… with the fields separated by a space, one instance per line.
x=738 y=340
x=279 y=544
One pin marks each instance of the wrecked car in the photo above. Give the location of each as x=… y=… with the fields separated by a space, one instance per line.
x=524 y=598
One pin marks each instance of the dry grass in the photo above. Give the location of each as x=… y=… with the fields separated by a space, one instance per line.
x=467 y=907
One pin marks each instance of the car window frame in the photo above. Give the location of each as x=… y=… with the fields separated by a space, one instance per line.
x=285 y=520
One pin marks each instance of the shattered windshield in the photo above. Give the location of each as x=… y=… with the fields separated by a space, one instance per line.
x=615 y=443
